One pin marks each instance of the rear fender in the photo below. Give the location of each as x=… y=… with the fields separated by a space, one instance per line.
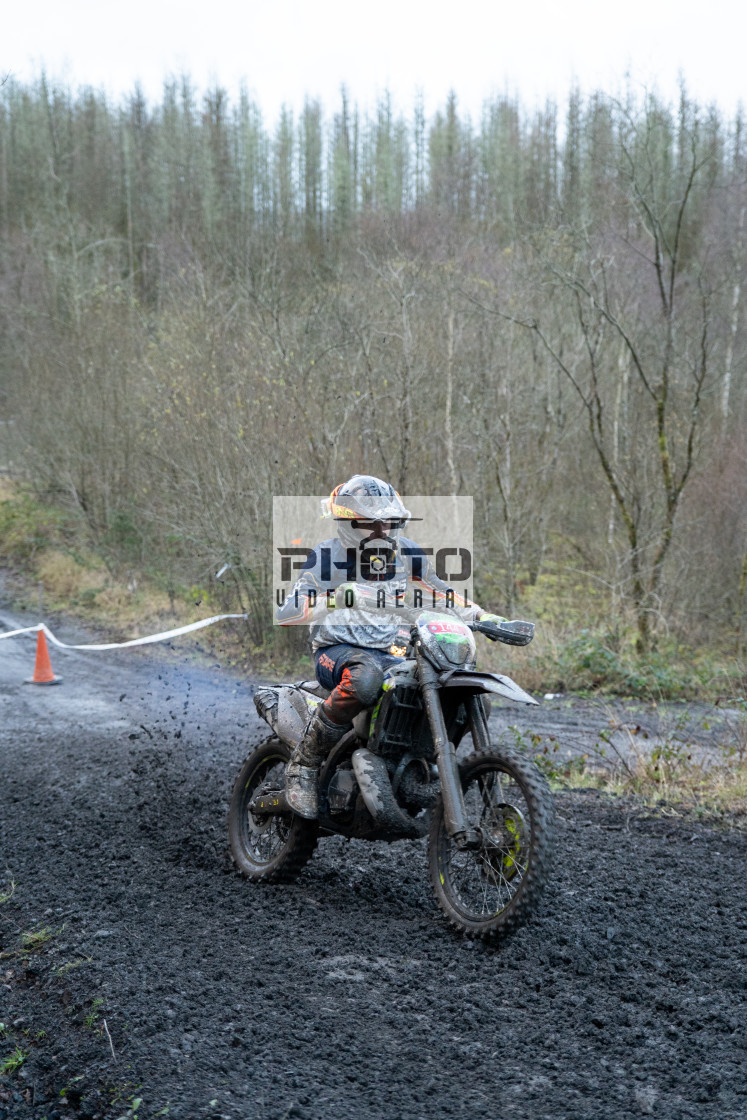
x=287 y=709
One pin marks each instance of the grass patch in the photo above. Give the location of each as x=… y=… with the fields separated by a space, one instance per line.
x=58 y=569
x=14 y=1061
x=125 y=1096
x=33 y=941
x=718 y=796
x=93 y=1015
x=63 y=969
x=673 y=771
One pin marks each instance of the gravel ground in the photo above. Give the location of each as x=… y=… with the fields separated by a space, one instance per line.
x=137 y=966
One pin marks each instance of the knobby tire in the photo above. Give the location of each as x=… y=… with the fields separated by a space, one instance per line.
x=269 y=849
x=489 y=893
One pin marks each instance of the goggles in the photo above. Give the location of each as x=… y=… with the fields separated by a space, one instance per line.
x=372 y=526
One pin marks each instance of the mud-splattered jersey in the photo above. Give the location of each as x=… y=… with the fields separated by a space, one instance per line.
x=329 y=566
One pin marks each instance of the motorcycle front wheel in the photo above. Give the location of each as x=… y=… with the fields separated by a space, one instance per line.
x=488 y=891
x=267 y=847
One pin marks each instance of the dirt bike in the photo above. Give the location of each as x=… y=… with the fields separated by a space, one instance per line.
x=396 y=775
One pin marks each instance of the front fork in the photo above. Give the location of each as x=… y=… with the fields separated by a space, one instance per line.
x=448 y=770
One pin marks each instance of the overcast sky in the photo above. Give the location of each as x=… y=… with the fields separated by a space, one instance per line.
x=286 y=49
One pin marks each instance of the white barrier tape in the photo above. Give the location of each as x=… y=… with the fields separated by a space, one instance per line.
x=164 y=637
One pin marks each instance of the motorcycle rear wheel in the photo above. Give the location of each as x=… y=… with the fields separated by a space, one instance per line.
x=488 y=892
x=267 y=848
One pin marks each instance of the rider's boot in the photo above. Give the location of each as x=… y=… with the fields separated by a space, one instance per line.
x=302 y=772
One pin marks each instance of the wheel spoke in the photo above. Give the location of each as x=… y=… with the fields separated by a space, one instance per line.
x=265 y=838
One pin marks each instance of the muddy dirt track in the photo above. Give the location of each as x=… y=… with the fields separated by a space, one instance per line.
x=344 y=995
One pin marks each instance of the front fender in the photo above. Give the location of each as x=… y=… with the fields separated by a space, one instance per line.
x=485 y=682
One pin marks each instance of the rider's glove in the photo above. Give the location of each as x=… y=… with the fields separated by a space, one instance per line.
x=497 y=619
x=488 y=624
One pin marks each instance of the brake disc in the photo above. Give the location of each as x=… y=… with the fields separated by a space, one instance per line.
x=504 y=831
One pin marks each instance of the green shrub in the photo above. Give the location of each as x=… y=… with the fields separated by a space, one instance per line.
x=594 y=661
x=27 y=526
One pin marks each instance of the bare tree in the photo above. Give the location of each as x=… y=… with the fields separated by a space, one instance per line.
x=643 y=289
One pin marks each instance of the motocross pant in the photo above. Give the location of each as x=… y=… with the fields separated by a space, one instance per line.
x=355 y=676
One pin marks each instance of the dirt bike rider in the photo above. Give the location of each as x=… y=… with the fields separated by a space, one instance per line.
x=354 y=641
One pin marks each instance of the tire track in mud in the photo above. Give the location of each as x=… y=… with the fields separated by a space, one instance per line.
x=344 y=994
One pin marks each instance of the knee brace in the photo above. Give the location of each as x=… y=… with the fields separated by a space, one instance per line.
x=367 y=677
x=359 y=687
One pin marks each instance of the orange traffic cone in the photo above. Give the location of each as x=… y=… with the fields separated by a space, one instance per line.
x=43 y=668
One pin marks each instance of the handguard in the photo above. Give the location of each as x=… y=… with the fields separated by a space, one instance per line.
x=512 y=633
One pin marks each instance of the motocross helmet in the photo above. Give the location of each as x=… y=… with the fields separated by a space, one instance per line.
x=367 y=511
